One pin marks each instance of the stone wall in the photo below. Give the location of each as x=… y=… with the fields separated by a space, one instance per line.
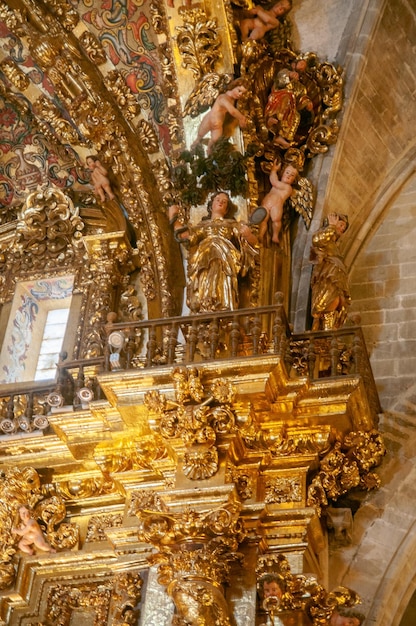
x=383 y=288
x=371 y=177
x=380 y=561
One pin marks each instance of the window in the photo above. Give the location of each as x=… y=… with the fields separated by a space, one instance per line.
x=36 y=329
x=50 y=348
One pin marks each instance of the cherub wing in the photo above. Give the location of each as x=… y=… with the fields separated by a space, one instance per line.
x=205 y=92
x=302 y=200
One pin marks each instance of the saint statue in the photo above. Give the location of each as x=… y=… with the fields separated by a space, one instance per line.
x=220 y=250
x=329 y=283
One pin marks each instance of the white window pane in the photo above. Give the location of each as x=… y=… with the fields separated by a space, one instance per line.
x=53 y=337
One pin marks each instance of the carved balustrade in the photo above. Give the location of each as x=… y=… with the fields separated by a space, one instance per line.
x=241 y=334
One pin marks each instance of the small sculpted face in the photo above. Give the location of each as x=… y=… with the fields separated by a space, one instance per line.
x=344 y=620
x=282 y=7
x=272 y=589
x=24 y=514
x=238 y=91
x=341 y=227
x=219 y=205
x=338 y=222
x=289 y=175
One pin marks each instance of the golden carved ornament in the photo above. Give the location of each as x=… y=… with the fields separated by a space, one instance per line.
x=161 y=527
x=65 y=13
x=97 y=122
x=45 y=48
x=13 y=18
x=159 y=21
x=110 y=600
x=98 y=524
x=148 y=138
x=125 y=98
x=129 y=453
x=15 y=75
x=283 y=489
x=49 y=114
x=170 y=86
x=52 y=512
x=347 y=466
x=323 y=136
x=93 y=48
x=244 y=480
x=198 y=422
x=81 y=488
x=48 y=234
x=195 y=551
x=198 y=42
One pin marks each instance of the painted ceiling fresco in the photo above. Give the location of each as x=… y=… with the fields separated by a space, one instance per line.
x=124 y=42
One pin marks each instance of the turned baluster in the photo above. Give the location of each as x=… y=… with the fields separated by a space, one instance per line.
x=130 y=347
x=151 y=346
x=172 y=342
x=213 y=338
x=255 y=332
x=192 y=340
x=235 y=336
x=334 y=352
x=79 y=384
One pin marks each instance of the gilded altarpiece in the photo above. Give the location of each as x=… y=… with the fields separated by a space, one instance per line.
x=177 y=459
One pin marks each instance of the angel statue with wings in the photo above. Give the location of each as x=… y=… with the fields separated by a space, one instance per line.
x=283 y=189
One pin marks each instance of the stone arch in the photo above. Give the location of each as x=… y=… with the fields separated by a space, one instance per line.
x=383 y=566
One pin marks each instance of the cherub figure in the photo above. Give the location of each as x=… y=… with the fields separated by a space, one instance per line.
x=263 y=20
x=275 y=199
x=31 y=533
x=217 y=121
x=99 y=177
